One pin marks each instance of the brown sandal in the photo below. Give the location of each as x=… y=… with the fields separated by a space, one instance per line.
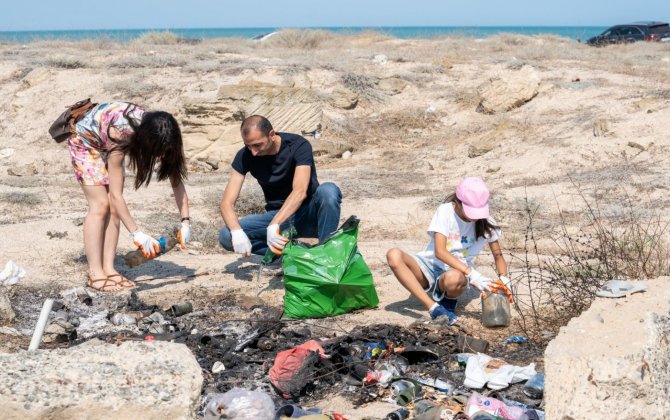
x=124 y=282
x=107 y=285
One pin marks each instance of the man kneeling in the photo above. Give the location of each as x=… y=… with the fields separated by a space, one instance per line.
x=283 y=165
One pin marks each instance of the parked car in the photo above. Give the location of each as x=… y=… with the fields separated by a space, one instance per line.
x=632 y=32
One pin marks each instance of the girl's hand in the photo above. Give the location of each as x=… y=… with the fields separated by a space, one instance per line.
x=478 y=280
x=184 y=234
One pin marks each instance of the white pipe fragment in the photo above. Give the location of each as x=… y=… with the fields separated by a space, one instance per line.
x=41 y=324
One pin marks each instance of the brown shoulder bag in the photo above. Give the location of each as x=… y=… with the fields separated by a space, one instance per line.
x=63 y=127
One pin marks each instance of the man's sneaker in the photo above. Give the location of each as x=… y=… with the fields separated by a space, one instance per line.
x=442 y=311
x=449 y=304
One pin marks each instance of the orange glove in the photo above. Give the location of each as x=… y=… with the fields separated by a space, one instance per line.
x=148 y=245
x=275 y=240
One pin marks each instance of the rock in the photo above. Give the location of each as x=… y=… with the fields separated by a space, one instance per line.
x=346 y=155
x=146 y=380
x=392 y=85
x=467 y=344
x=211 y=127
x=299 y=80
x=35 y=77
x=213 y=163
x=509 y=91
x=6 y=311
x=492 y=169
x=343 y=99
x=380 y=59
x=23 y=170
x=474 y=151
x=613 y=366
x=601 y=127
x=635 y=145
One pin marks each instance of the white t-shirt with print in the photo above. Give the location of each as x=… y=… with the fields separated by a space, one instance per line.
x=460 y=235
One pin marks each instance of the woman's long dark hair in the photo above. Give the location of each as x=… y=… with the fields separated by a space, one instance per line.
x=483 y=227
x=156 y=139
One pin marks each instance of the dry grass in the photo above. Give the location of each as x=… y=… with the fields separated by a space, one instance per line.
x=158 y=38
x=306 y=39
x=21 y=198
x=364 y=85
x=151 y=61
x=64 y=62
x=133 y=88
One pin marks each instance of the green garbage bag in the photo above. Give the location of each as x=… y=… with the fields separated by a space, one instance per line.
x=328 y=279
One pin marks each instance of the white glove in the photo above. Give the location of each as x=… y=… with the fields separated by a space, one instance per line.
x=478 y=280
x=148 y=245
x=184 y=234
x=276 y=241
x=506 y=281
x=241 y=242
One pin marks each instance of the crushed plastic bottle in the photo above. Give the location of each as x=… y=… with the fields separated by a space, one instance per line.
x=495 y=309
x=534 y=388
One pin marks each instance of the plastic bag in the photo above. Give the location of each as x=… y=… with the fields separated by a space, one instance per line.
x=496 y=374
x=240 y=404
x=328 y=279
x=478 y=403
x=11 y=274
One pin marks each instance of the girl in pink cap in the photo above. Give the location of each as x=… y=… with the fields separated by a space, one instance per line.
x=460 y=228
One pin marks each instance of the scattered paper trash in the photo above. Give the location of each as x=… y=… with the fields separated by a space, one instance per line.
x=218 y=367
x=620 y=288
x=11 y=274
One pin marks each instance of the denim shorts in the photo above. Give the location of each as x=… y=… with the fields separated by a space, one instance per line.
x=433 y=273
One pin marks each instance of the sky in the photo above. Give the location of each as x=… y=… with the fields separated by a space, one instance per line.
x=139 y=14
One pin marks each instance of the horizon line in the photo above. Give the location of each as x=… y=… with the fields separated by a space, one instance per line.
x=303 y=27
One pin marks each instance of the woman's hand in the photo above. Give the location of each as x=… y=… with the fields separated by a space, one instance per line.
x=148 y=245
x=184 y=234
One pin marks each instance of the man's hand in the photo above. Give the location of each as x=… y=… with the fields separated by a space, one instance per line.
x=148 y=245
x=478 y=280
x=184 y=234
x=241 y=242
x=276 y=241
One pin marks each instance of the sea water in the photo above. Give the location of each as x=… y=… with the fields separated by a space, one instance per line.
x=407 y=32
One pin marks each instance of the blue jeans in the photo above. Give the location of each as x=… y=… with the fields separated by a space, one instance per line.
x=318 y=217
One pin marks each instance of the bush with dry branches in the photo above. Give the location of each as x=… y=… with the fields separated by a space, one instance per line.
x=552 y=289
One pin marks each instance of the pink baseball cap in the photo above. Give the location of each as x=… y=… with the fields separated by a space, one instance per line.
x=475 y=198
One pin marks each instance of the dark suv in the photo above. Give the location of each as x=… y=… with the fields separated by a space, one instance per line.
x=636 y=31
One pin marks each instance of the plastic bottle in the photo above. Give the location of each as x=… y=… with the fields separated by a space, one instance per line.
x=399 y=414
x=534 y=388
x=495 y=309
x=136 y=257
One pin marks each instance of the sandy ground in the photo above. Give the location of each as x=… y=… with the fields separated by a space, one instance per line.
x=404 y=158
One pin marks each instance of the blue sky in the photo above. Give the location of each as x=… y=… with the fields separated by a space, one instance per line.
x=125 y=14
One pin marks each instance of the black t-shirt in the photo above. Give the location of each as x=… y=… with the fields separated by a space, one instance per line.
x=275 y=173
